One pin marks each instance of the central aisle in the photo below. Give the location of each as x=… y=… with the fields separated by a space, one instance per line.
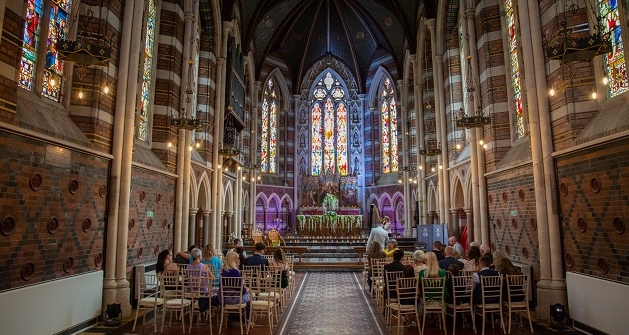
x=331 y=303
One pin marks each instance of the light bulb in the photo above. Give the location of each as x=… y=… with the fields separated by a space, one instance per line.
x=415 y=181
x=440 y=167
x=253 y=179
x=432 y=169
x=421 y=167
x=219 y=166
x=238 y=168
x=399 y=181
x=81 y=94
x=226 y=169
x=481 y=142
x=458 y=146
x=552 y=92
x=52 y=82
x=198 y=145
x=605 y=80
x=106 y=89
x=258 y=177
x=190 y=148
x=170 y=144
x=593 y=95
x=484 y=146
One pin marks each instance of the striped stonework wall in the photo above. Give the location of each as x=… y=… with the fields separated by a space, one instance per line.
x=494 y=79
x=430 y=120
x=168 y=80
x=206 y=97
x=453 y=92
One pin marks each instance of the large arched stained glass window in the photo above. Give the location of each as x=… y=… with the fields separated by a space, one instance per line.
x=615 y=60
x=145 y=97
x=388 y=122
x=329 y=128
x=57 y=30
x=514 y=64
x=268 y=144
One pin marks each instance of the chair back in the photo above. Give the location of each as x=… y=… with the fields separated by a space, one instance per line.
x=462 y=289
x=196 y=283
x=391 y=281
x=491 y=289
x=517 y=288
x=270 y=279
x=407 y=291
x=148 y=286
x=408 y=260
x=257 y=236
x=231 y=290
x=377 y=267
x=270 y=258
x=433 y=292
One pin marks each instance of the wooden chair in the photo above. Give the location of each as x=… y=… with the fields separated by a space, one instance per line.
x=196 y=286
x=462 y=287
x=433 y=300
x=491 y=288
x=518 y=297
x=377 y=280
x=365 y=270
x=272 y=288
x=390 y=292
x=407 y=301
x=264 y=282
x=257 y=236
x=149 y=292
x=232 y=301
x=174 y=300
x=275 y=238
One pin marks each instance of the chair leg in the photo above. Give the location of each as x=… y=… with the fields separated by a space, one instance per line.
x=399 y=318
x=137 y=311
x=454 y=321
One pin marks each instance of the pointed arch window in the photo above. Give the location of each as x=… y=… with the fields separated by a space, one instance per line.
x=329 y=150
x=57 y=20
x=388 y=123
x=615 y=65
x=147 y=69
x=268 y=144
x=514 y=65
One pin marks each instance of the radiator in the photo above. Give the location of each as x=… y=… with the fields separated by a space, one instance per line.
x=51 y=307
x=141 y=270
x=598 y=303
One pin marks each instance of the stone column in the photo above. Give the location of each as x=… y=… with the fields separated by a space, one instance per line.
x=469 y=213
x=551 y=287
x=238 y=205
x=477 y=154
x=206 y=226
x=443 y=138
x=454 y=231
x=192 y=223
x=115 y=284
x=432 y=215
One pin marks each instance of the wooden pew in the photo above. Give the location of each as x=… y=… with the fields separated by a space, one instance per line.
x=270 y=250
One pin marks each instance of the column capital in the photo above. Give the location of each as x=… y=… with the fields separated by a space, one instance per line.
x=439 y=58
x=220 y=61
x=188 y=17
x=206 y=211
x=227 y=27
x=194 y=210
x=430 y=23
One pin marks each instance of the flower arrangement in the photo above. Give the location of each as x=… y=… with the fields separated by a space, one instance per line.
x=231 y=238
x=330 y=203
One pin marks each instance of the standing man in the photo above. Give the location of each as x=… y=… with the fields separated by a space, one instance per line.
x=453 y=241
x=380 y=234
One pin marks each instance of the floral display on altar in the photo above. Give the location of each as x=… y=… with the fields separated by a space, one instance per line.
x=330 y=203
x=330 y=224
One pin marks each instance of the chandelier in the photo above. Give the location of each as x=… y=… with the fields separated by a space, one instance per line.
x=90 y=49
x=570 y=48
x=433 y=151
x=478 y=119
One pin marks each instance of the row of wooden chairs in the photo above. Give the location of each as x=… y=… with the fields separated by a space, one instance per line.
x=405 y=300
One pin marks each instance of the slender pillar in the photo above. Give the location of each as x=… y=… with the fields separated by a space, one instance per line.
x=254 y=150
x=110 y=292
x=238 y=203
x=454 y=213
x=551 y=287
x=481 y=224
x=443 y=138
x=419 y=110
x=469 y=214
x=206 y=226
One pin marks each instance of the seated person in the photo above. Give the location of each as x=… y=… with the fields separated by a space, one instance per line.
x=418 y=260
x=257 y=258
x=392 y=246
x=450 y=259
x=280 y=262
x=198 y=269
x=237 y=244
x=165 y=263
x=230 y=269
x=211 y=258
x=396 y=265
x=505 y=267
x=184 y=257
x=432 y=271
x=485 y=263
x=453 y=271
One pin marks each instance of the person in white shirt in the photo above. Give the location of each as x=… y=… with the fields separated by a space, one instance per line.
x=380 y=234
x=453 y=241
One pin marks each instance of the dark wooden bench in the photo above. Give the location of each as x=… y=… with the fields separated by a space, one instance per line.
x=270 y=250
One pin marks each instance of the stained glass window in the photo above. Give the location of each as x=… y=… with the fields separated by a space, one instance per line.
x=53 y=68
x=515 y=67
x=329 y=149
x=269 y=128
x=34 y=11
x=388 y=123
x=615 y=60
x=145 y=97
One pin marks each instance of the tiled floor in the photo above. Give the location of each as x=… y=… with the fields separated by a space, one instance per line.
x=326 y=303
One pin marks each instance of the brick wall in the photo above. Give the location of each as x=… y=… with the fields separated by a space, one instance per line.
x=512 y=223
x=150 y=192
x=593 y=197
x=53 y=218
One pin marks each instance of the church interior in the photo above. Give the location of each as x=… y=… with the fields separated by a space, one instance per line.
x=131 y=127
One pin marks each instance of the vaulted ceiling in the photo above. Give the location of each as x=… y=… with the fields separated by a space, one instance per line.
x=355 y=31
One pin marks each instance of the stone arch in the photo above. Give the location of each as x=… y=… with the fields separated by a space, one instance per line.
x=285 y=98
x=372 y=95
x=458 y=196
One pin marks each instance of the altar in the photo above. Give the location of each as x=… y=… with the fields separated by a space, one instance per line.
x=329 y=224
